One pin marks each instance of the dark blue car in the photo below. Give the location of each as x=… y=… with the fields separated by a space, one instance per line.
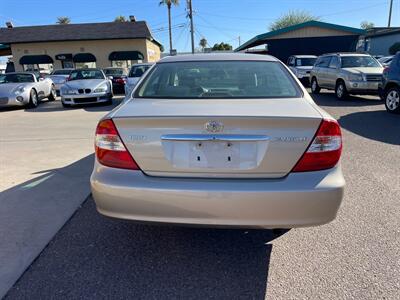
x=390 y=88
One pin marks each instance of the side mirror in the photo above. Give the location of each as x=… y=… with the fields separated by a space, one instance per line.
x=110 y=77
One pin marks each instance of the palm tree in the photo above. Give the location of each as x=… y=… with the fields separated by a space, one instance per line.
x=203 y=43
x=63 y=20
x=169 y=3
x=120 y=19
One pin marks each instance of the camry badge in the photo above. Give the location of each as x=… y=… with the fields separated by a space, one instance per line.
x=214 y=126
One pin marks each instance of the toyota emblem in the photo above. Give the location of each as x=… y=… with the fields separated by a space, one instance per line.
x=214 y=126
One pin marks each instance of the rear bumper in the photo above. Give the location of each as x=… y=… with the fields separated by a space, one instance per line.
x=300 y=199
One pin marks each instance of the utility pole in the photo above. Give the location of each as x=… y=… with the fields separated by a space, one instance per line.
x=239 y=40
x=390 y=12
x=189 y=2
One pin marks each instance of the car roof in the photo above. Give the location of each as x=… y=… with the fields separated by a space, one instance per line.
x=218 y=57
x=346 y=54
x=143 y=64
x=305 y=56
x=88 y=69
x=26 y=73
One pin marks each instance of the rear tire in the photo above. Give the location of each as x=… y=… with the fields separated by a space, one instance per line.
x=392 y=100
x=315 y=88
x=341 y=91
x=53 y=93
x=33 y=99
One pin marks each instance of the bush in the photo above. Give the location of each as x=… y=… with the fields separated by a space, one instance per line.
x=394 y=48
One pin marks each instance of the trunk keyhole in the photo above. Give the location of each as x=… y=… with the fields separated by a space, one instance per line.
x=198 y=158
x=229 y=158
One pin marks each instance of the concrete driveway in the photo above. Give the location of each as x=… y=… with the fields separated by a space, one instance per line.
x=355 y=257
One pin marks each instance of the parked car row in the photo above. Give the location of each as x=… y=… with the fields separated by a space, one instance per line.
x=75 y=86
x=351 y=74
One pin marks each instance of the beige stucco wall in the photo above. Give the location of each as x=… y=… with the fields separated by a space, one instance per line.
x=99 y=48
x=311 y=31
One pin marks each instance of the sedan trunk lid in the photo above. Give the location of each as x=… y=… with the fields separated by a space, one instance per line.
x=219 y=138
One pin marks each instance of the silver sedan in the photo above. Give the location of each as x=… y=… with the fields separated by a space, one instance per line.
x=60 y=77
x=25 y=89
x=219 y=140
x=86 y=86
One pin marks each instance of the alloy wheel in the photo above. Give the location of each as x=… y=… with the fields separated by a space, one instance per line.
x=393 y=100
x=34 y=98
x=340 y=90
x=314 y=85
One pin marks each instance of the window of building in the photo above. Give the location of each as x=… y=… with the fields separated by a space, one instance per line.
x=66 y=60
x=84 y=60
x=37 y=63
x=125 y=59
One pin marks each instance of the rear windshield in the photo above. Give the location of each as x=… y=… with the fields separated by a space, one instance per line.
x=86 y=74
x=308 y=61
x=218 y=79
x=138 y=71
x=359 y=61
x=114 y=71
x=61 y=72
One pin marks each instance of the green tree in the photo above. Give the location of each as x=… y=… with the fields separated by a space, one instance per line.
x=169 y=3
x=222 y=47
x=293 y=17
x=203 y=43
x=367 y=25
x=394 y=48
x=63 y=20
x=120 y=19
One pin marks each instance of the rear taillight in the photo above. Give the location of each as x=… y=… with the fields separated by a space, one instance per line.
x=386 y=70
x=324 y=151
x=110 y=150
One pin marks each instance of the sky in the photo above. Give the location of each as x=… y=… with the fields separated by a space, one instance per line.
x=216 y=20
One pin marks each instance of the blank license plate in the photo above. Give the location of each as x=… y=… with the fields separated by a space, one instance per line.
x=215 y=155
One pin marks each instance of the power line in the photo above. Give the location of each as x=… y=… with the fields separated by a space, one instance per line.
x=164 y=22
x=181 y=33
x=213 y=26
x=166 y=28
x=352 y=10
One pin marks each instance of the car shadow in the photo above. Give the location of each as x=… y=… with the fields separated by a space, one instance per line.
x=378 y=125
x=94 y=256
x=329 y=99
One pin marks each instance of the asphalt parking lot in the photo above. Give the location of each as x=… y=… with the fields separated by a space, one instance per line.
x=355 y=257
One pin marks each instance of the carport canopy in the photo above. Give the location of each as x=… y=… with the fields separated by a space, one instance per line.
x=84 y=57
x=35 y=59
x=126 y=55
